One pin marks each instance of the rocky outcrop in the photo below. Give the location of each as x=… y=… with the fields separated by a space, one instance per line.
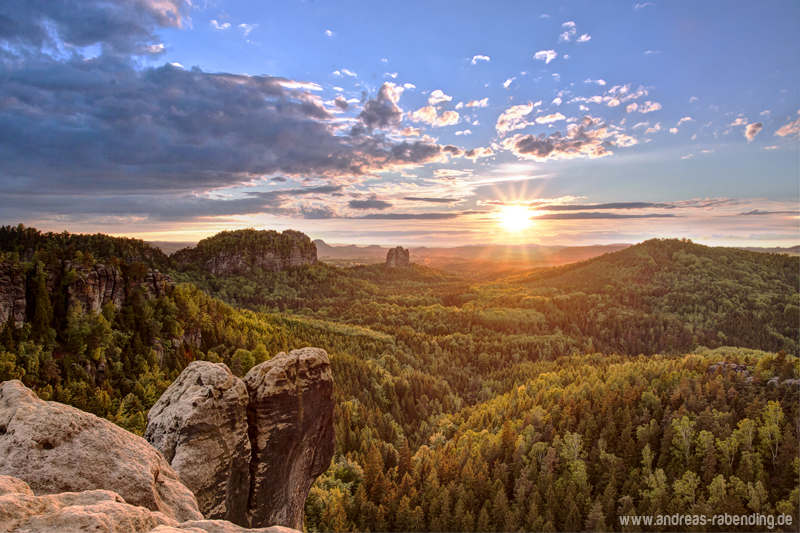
x=249 y=449
x=397 y=258
x=12 y=293
x=55 y=448
x=157 y=284
x=200 y=426
x=96 y=510
x=235 y=252
x=94 y=287
x=290 y=415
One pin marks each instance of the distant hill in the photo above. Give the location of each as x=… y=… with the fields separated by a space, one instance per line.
x=792 y=250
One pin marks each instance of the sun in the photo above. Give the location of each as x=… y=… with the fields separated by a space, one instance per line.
x=515 y=218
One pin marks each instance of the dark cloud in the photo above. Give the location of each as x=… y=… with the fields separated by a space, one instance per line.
x=372 y=203
x=123 y=26
x=411 y=216
x=757 y=212
x=589 y=216
x=577 y=142
x=279 y=179
x=616 y=205
x=381 y=111
x=432 y=200
x=341 y=103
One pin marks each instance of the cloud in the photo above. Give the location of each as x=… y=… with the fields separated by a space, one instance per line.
x=583 y=38
x=341 y=103
x=344 y=72
x=649 y=107
x=382 y=111
x=476 y=153
x=545 y=55
x=429 y=115
x=685 y=119
x=432 y=200
x=654 y=129
x=598 y=81
x=693 y=99
x=372 y=203
x=478 y=103
x=409 y=86
x=218 y=26
x=556 y=101
x=641 y=125
x=673 y=130
x=475 y=59
x=247 y=28
x=329 y=33
x=752 y=130
x=464 y=132
x=739 y=122
x=687 y=156
x=392 y=75
x=756 y=212
x=513 y=118
x=411 y=216
x=408 y=131
x=547 y=119
x=508 y=82
x=632 y=107
x=640 y=6
x=438 y=97
x=791 y=128
x=578 y=142
x=594 y=216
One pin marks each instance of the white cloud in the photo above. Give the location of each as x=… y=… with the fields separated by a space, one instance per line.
x=685 y=119
x=329 y=33
x=556 y=101
x=654 y=129
x=545 y=55
x=248 y=28
x=687 y=156
x=640 y=6
x=344 y=72
x=632 y=107
x=613 y=102
x=673 y=130
x=770 y=148
x=693 y=99
x=791 y=128
x=217 y=26
x=556 y=76
x=513 y=118
x=479 y=103
x=508 y=82
x=477 y=58
x=547 y=119
x=569 y=24
x=595 y=100
x=537 y=104
x=438 y=97
x=464 y=132
x=384 y=60
x=647 y=107
x=739 y=122
x=154 y=49
x=583 y=38
x=583 y=108
x=392 y=75
x=409 y=86
x=764 y=113
x=460 y=105
x=598 y=81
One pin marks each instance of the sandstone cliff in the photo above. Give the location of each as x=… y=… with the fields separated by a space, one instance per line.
x=12 y=293
x=397 y=258
x=249 y=449
x=235 y=252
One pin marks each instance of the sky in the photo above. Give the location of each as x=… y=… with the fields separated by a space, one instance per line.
x=431 y=122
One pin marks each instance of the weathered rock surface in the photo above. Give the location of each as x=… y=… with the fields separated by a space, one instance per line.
x=200 y=426
x=55 y=448
x=157 y=284
x=95 y=510
x=96 y=286
x=290 y=415
x=397 y=258
x=228 y=263
x=12 y=293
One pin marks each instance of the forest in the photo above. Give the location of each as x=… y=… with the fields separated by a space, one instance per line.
x=662 y=378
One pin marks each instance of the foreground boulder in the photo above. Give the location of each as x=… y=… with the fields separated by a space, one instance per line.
x=397 y=258
x=290 y=414
x=55 y=448
x=200 y=426
x=94 y=510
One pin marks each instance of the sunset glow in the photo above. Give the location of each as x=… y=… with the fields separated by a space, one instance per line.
x=515 y=218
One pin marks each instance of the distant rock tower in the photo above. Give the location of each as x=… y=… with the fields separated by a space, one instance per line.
x=397 y=258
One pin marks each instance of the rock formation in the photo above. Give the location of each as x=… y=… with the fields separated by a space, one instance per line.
x=55 y=448
x=200 y=427
x=249 y=449
x=235 y=252
x=157 y=284
x=12 y=293
x=397 y=258
x=94 y=510
x=291 y=427
x=94 y=287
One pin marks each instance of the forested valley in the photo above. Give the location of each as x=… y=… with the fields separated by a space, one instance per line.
x=659 y=379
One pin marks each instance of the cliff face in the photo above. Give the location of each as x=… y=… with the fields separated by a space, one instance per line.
x=397 y=258
x=12 y=294
x=250 y=448
x=236 y=252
